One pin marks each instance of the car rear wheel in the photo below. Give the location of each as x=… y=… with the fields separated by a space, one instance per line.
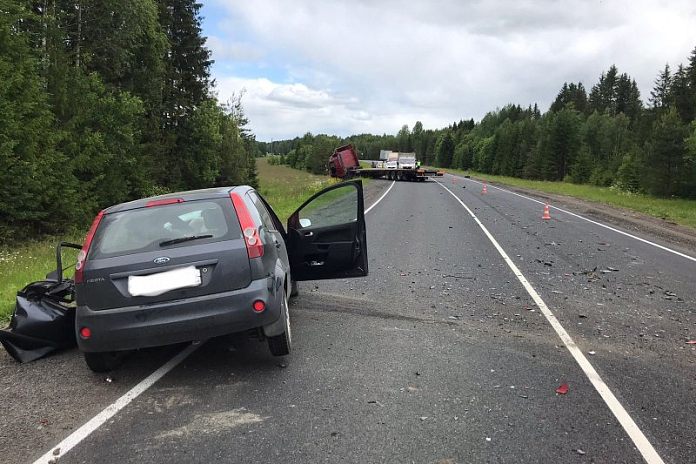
x=281 y=345
x=104 y=361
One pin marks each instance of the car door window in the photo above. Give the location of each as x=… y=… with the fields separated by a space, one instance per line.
x=263 y=213
x=335 y=207
x=274 y=217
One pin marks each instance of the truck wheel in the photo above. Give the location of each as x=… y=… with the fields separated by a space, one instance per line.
x=281 y=345
x=399 y=176
x=104 y=361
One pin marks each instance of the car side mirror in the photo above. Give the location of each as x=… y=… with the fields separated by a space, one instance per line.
x=305 y=222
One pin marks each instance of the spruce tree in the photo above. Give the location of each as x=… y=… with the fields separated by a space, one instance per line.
x=660 y=96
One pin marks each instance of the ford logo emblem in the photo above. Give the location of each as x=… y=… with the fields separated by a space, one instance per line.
x=161 y=260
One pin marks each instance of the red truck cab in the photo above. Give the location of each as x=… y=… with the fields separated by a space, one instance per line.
x=343 y=161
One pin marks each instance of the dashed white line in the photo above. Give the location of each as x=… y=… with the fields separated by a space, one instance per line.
x=639 y=439
x=97 y=421
x=683 y=255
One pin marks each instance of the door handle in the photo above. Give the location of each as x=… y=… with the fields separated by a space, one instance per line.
x=309 y=234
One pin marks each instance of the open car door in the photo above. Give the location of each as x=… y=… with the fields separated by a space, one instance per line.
x=326 y=236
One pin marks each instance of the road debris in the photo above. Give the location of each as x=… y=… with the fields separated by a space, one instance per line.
x=592 y=274
x=691 y=342
x=563 y=389
x=580 y=452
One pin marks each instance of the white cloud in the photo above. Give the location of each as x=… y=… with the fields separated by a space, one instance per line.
x=237 y=51
x=373 y=65
x=279 y=111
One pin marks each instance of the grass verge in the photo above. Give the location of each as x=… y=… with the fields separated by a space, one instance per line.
x=29 y=262
x=286 y=188
x=674 y=210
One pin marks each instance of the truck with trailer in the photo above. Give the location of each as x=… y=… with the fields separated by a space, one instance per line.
x=344 y=164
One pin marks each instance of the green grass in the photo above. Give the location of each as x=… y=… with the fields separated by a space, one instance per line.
x=286 y=188
x=674 y=210
x=29 y=262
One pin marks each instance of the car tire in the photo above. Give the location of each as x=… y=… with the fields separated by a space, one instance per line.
x=281 y=345
x=104 y=361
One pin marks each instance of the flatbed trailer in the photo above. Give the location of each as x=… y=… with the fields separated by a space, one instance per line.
x=344 y=164
x=418 y=174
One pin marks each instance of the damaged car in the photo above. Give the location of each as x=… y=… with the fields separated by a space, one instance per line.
x=193 y=265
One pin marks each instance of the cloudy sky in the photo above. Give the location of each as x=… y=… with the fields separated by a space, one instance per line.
x=370 y=66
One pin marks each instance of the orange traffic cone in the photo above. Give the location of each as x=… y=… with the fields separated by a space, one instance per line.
x=485 y=192
x=546 y=212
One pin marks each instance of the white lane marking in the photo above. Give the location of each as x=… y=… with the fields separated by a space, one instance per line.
x=380 y=198
x=97 y=421
x=639 y=439
x=589 y=220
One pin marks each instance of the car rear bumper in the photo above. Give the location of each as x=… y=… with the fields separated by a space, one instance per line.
x=178 y=321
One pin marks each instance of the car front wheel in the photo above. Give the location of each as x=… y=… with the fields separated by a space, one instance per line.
x=281 y=345
x=104 y=361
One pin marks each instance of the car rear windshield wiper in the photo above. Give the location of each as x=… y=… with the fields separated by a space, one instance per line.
x=174 y=241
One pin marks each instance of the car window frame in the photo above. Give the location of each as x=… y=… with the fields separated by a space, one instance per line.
x=278 y=225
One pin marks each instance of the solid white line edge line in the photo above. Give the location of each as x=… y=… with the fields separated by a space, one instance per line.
x=97 y=421
x=380 y=198
x=586 y=219
x=631 y=428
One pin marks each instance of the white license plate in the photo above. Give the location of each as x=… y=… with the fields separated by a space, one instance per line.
x=157 y=284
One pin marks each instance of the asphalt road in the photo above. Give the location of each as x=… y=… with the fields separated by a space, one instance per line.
x=440 y=355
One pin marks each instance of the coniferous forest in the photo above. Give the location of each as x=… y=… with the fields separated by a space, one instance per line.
x=607 y=136
x=103 y=102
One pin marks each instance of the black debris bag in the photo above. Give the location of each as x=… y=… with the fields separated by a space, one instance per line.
x=44 y=317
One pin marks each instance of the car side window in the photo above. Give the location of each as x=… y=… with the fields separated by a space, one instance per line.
x=335 y=207
x=263 y=214
x=277 y=224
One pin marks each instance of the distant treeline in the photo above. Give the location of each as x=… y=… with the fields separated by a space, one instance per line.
x=607 y=138
x=107 y=101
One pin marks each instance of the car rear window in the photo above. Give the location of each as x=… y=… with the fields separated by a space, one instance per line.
x=143 y=229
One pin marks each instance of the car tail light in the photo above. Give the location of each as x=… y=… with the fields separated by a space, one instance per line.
x=259 y=306
x=251 y=235
x=85 y=332
x=82 y=255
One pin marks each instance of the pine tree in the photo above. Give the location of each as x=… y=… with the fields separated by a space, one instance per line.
x=444 y=150
x=665 y=154
x=660 y=96
x=35 y=180
x=681 y=95
x=186 y=87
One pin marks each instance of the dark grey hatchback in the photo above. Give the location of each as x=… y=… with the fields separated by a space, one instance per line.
x=193 y=265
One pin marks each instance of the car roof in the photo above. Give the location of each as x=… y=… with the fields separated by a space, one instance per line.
x=189 y=195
